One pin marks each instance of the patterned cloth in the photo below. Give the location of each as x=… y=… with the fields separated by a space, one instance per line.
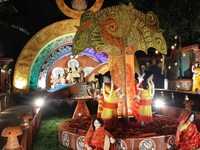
x=145 y=112
x=107 y=109
x=189 y=137
x=95 y=139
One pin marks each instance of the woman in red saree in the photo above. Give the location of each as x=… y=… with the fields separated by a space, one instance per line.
x=97 y=138
x=187 y=136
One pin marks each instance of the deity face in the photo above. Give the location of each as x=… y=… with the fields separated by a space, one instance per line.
x=73 y=63
x=97 y=124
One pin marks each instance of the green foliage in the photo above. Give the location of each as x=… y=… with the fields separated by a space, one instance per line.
x=47 y=138
x=180 y=17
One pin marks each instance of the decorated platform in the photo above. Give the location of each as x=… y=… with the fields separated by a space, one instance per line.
x=158 y=135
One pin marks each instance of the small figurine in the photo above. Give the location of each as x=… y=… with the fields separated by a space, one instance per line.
x=97 y=138
x=196 y=77
x=187 y=136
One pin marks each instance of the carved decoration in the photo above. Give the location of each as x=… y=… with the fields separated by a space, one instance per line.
x=113 y=29
x=77 y=14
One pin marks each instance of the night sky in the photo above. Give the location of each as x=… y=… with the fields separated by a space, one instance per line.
x=33 y=15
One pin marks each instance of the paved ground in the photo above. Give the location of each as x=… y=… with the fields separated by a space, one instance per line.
x=9 y=117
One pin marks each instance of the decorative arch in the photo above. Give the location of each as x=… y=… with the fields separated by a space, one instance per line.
x=41 y=45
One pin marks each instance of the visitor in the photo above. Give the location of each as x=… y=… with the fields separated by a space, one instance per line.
x=6 y=87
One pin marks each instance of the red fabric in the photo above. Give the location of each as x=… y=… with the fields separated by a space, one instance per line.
x=137 y=103
x=145 y=103
x=146 y=118
x=95 y=139
x=184 y=115
x=188 y=138
x=110 y=105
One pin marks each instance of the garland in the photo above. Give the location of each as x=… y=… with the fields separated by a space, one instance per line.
x=151 y=88
x=104 y=95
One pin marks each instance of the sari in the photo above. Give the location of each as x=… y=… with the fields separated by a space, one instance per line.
x=145 y=112
x=95 y=139
x=107 y=109
x=188 y=138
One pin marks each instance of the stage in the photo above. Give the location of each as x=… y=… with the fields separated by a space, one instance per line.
x=157 y=135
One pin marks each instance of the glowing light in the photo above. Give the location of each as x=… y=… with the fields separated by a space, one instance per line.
x=169 y=67
x=71 y=56
x=39 y=102
x=176 y=37
x=76 y=56
x=183 y=54
x=173 y=47
x=175 y=63
x=156 y=52
x=159 y=103
x=20 y=84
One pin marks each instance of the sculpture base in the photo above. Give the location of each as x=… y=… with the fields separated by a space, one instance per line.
x=156 y=135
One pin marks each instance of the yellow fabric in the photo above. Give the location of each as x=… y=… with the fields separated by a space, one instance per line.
x=109 y=113
x=145 y=111
x=196 y=84
x=184 y=127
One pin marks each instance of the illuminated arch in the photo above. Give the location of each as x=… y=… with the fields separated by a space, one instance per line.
x=41 y=44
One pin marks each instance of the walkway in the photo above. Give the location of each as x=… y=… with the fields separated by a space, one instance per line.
x=9 y=117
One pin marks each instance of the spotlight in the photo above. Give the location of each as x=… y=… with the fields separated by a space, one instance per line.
x=159 y=103
x=39 y=102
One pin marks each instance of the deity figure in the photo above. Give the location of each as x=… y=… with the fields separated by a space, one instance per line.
x=53 y=80
x=196 y=77
x=146 y=89
x=187 y=136
x=61 y=77
x=72 y=70
x=97 y=138
x=108 y=101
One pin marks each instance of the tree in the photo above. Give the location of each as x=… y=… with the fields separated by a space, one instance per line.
x=7 y=9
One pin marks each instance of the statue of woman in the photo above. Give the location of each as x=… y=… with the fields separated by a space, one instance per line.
x=97 y=138
x=146 y=89
x=187 y=136
x=108 y=101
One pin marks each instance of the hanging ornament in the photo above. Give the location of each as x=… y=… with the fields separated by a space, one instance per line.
x=79 y=5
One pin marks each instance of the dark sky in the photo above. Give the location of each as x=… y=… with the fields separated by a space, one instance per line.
x=33 y=15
